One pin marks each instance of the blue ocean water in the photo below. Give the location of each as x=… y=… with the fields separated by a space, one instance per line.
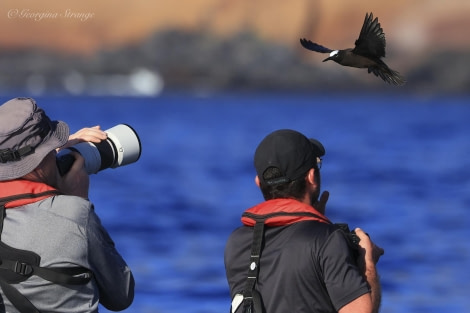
x=396 y=166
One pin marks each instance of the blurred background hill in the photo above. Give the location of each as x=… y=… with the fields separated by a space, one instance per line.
x=142 y=47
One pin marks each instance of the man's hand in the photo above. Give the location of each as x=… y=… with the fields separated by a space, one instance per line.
x=370 y=252
x=320 y=205
x=87 y=134
x=369 y=255
x=76 y=181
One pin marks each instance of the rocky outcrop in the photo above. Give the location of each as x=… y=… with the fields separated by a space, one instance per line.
x=200 y=61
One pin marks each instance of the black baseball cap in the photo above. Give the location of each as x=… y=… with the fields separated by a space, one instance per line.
x=289 y=151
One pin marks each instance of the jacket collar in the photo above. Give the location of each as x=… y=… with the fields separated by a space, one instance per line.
x=18 y=192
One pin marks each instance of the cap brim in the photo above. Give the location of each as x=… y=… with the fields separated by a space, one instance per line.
x=318 y=147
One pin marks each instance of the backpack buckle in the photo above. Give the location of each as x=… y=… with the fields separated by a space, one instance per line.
x=23 y=268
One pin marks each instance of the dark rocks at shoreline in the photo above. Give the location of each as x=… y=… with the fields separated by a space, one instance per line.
x=200 y=61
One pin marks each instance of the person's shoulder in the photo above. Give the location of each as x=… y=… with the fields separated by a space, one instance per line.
x=240 y=232
x=71 y=207
x=240 y=236
x=73 y=201
x=315 y=227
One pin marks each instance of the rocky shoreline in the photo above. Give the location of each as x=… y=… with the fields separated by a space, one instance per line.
x=199 y=61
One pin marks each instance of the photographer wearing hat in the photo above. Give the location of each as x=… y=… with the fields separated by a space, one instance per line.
x=55 y=255
x=288 y=256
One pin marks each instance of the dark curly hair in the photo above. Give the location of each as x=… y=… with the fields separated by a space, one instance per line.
x=292 y=190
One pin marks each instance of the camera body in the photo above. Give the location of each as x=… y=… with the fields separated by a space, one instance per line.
x=122 y=147
x=353 y=239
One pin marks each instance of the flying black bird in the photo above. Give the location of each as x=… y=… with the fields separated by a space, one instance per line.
x=367 y=53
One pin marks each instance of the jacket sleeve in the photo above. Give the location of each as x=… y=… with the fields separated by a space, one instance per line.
x=113 y=276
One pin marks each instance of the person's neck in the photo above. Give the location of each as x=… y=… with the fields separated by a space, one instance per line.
x=36 y=176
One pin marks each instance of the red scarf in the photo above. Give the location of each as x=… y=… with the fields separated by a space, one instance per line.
x=284 y=212
x=20 y=192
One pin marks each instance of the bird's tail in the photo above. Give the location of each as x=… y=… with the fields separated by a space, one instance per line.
x=387 y=74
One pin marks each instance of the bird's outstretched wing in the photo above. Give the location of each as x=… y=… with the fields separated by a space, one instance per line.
x=307 y=44
x=371 y=41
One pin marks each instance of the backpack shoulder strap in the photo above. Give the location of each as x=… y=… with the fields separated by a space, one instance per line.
x=18 y=265
x=20 y=302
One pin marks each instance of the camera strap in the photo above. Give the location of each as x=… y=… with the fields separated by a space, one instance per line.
x=251 y=299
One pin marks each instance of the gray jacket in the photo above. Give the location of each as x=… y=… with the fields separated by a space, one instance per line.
x=65 y=231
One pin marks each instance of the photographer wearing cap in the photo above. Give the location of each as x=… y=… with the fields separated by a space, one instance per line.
x=288 y=256
x=55 y=254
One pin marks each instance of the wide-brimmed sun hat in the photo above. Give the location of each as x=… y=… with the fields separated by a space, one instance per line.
x=27 y=135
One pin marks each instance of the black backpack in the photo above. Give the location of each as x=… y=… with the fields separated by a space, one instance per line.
x=18 y=265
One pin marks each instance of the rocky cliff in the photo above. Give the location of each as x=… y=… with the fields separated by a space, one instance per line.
x=219 y=44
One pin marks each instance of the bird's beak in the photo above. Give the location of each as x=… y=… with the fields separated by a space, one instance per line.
x=327 y=59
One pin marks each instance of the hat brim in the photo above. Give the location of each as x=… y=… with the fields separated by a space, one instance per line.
x=58 y=136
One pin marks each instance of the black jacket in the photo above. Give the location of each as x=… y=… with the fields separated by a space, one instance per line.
x=306 y=266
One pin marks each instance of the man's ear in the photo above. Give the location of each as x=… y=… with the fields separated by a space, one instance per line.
x=311 y=177
x=257 y=180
